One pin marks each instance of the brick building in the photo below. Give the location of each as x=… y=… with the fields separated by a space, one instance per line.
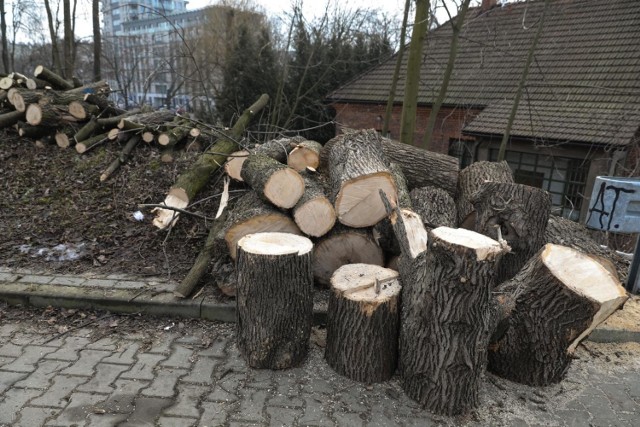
x=579 y=116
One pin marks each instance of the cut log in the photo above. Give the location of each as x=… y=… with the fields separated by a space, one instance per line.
x=273 y=181
x=87 y=130
x=251 y=215
x=81 y=110
x=148 y=137
x=435 y=206
x=113 y=121
x=174 y=135
x=314 y=213
x=20 y=99
x=121 y=159
x=103 y=104
x=112 y=135
x=363 y=317
x=27 y=131
x=469 y=182
x=98 y=88
x=274 y=299
x=90 y=143
x=306 y=154
x=62 y=139
x=11 y=118
x=357 y=171
x=516 y=213
x=560 y=297
x=6 y=83
x=563 y=231
x=343 y=246
x=54 y=79
x=277 y=149
x=45 y=115
x=191 y=181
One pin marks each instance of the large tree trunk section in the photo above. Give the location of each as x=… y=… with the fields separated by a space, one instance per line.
x=47 y=115
x=193 y=179
x=560 y=297
x=563 y=231
x=274 y=299
x=435 y=206
x=357 y=172
x=20 y=99
x=306 y=154
x=423 y=168
x=445 y=319
x=314 y=213
x=362 y=322
x=344 y=246
x=519 y=213
x=273 y=181
x=277 y=149
x=470 y=180
x=25 y=130
x=251 y=215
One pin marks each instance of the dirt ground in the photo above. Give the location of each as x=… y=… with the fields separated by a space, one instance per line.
x=56 y=215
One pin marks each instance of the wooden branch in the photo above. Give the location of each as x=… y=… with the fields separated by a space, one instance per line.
x=122 y=158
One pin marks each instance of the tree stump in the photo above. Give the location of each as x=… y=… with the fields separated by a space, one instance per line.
x=342 y=246
x=274 y=299
x=560 y=296
x=273 y=181
x=358 y=170
x=520 y=214
x=470 y=180
x=363 y=315
x=445 y=329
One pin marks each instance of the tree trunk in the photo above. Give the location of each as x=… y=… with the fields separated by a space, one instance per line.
x=68 y=39
x=90 y=143
x=277 y=149
x=274 y=299
x=435 y=207
x=415 y=162
x=470 y=180
x=172 y=136
x=305 y=155
x=97 y=40
x=343 y=246
x=273 y=181
x=3 y=34
x=11 y=118
x=25 y=130
x=46 y=115
x=357 y=170
x=20 y=99
x=87 y=130
x=55 y=50
x=363 y=315
x=520 y=214
x=56 y=81
x=314 y=213
x=560 y=296
x=82 y=110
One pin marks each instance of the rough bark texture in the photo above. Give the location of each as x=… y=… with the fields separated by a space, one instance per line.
x=273 y=181
x=357 y=170
x=546 y=318
x=383 y=230
x=470 y=180
x=344 y=246
x=435 y=206
x=314 y=213
x=521 y=214
x=423 y=168
x=362 y=326
x=444 y=323
x=56 y=81
x=274 y=308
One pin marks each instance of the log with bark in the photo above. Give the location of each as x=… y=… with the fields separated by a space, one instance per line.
x=177 y=132
x=273 y=181
x=121 y=159
x=469 y=182
x=191 y=181
x=435 y=206
x=277 y=149
x=559 y=297
x=90 y=143
x=357 y=171
x=516 y=213
x=314 y=213
x=342 y=246
x=363 y=318
x=47 y=115
x=305 y=154
x=274 y=299
x=57 y=82
x=11 y=118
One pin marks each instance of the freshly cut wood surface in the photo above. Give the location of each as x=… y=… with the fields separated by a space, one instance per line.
x=344 y=246
x=233 y=166
x=274 y=299
x=272 y=180
x=363 y=314
x=306 y=154
x=560 y=296
x=277 y=149
x=314 y=213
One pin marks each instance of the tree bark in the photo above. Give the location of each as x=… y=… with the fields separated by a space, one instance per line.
x=435 y=207
x=560 y=296
x=3 y=34
x=470 y=180
x=519 y=213
x=97 y=40
x=56 y=81
x=90 y=143
x=11 y=118
x=277 y=149
x=68 y=39
x=274 y=299
x=314 y=213
x=363 y=315
x=273 y=181
x=53 y=34
x=87 y=130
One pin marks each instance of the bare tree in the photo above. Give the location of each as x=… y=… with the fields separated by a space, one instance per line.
x=3 y=30
x=53 y=32
x=68 y=39
x=97 y=40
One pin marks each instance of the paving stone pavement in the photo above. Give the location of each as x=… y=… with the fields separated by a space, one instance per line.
x=193 y=375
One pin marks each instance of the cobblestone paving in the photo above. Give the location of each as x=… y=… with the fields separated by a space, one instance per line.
x=193 y=376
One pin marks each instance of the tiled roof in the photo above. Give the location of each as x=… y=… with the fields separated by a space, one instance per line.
x=584 y=83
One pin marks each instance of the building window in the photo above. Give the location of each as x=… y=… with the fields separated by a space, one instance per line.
x=463 y=150
x=563 y=177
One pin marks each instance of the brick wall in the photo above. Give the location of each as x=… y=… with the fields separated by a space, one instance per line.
x=366 y=116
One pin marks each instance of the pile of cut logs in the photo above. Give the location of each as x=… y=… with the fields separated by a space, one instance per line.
x=438 y=272
x=49 y=108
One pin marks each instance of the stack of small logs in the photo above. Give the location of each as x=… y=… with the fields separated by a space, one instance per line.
x=438 y=272
x=50 y=109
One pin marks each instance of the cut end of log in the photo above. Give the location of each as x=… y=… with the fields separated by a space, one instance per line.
x=316 y=217
x=278 y=223
x=113 y=134
x=284 y=188
x=585 y=276
x=39 y=69
x=177 y=198
x=358 y=203
x=415 y=232
x=302 y=157
x=233 y=167
x=486 y=248
x=62 y=140
x=275 y=244
x=357 y=282
x=77 y=110
x=34 y=114
x=147 y=137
